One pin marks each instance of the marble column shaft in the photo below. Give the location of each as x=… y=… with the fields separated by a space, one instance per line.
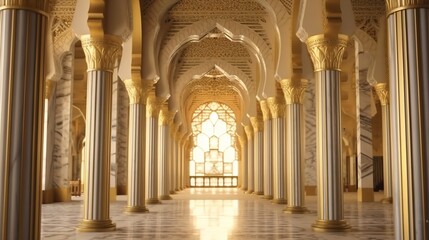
x=173 y=158
x=22 y=58
x=326 y=53
x=278 y=108
x=244 y=162
x=152 y=111
x=165 y=119
x=101 y=55
x=250 y=159
x=408 y=24
x=136 y=143
x=294 y=90
x=268 y=150
x=258 y=127
x=383 y=94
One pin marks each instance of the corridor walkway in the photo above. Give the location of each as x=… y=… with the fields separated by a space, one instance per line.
x=218 y=214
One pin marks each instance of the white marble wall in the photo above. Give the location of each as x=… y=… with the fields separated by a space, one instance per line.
x=62 y=100
x=119 y=149
x=364 y=131
x=310 y=134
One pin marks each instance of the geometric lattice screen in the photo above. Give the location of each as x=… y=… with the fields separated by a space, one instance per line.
x=214 y=130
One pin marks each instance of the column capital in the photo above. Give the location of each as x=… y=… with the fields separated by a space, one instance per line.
x=152 y=105
x=398 y=5
x=39 y=5
x=277 y=106
x=257 y=123
x=327 y=52
x=102 y=54
x=382 y=92
x=135 y=90
x=249 y=131
x=165 y=116
x=293 y=90
x=242 y=139
x=49 y=88
x=266 y=114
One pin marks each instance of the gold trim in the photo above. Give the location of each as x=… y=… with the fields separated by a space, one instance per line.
x=266 y=114
x=153 y=201
x=96 y=226
x=41 y=6
x=49 y=87
x=326 y=52
x=277 y=106
x=257 y=123
x=331 y=226
x=400 y=5
x=152 y=105
x=166 y=117
x=249 y=131
x=102 y=54
x=294 y=90
x=383 y=93
x=135 y=90
x=136 y=209
x=295 y=210
x=279 y=201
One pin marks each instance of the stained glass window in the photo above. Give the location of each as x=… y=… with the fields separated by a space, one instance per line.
x=213 y=154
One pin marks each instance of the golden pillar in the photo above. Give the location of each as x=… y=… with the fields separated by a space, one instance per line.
x=277 y=109
x=173 y=157
x=294 y=90
x=164 y=147
x=258 y=148
x=268 y=150
x=383 y=94
x=102 y=55
x=152 y=111
x=136 y=164
x=244 y=161
x=326 y=52
x=408 y=24
x=250 y=159
x=22 y=58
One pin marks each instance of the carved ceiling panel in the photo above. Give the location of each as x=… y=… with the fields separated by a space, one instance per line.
x=367 y=14
x=216 y=48
x=62 y=12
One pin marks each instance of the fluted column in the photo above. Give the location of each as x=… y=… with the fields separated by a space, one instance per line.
x=408 y=24
x=173 y=158
x=244 y=162
x=294 y=90
x=165 y=120
x=102 y=55
x=152 y=111
x=383 y=94
x=22 y=59
x=136 y=133
x=277 y=109
x=268 y=150
x=250 y=159
x=326 y=53
x=258 y=127
x=48 y=137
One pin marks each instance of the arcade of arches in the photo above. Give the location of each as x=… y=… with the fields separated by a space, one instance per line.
x=143 y=99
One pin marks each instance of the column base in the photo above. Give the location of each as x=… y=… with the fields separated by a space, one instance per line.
x=387 y=200
x=172 y=192
x=244 y=189
x=177 y=190
x=249 y=191
x=295 y=210
x=96 y=226
x=331 y=226
x=165 y=197
x=279 y=201
x=258 y=193
x=269 y=197
x=136 y=209
x=153 y=201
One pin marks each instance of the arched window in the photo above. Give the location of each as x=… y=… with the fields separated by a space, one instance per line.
x=213 y=154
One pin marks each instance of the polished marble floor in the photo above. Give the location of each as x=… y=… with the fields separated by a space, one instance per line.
x=219 y=214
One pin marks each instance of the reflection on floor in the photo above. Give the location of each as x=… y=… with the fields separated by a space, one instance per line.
x=219 y=214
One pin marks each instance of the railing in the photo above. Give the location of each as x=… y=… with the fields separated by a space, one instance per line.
x=75 y=188
x=213 y=181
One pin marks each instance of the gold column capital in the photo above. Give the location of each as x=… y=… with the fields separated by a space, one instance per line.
x=49 y=88
x=327 y=52
x=36 y=5
x=266 y=114
x=398 y=5
x=152 y=105
x=277 y=106
x=249 y=131
x=382 y=92
x=294 y=90
x=242 y=139
x=135 y=90
x=165 y=116
x=102 y=53
x=257 y=123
